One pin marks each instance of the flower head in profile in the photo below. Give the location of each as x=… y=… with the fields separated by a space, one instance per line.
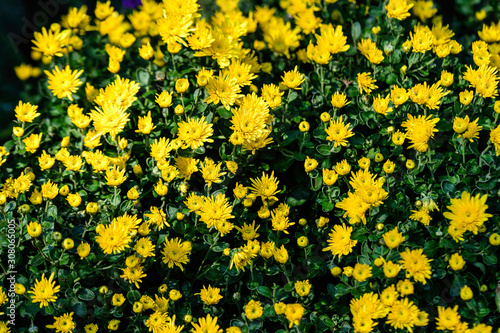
x=25 y=112
x=44 y=290
x=241 y=258
x=366 y=83
x=64 y=83
x=398 y=9
x=339 y=100
x=293 y=79
x=370 y=50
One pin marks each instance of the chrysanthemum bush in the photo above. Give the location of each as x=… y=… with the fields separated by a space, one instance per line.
x=306 y=166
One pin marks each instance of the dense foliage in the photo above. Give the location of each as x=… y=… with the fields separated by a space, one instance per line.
x=301 y=166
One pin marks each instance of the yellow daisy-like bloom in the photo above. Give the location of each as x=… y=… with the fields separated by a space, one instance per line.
x=338 y=132
x=110 y=118
x=64 y=83
x=354 y=206
x=241 y=258
x=302 y=287
x=176 y=252
x=294 y=313
x=64 y=323
x=467 y=212
x=215 y=211
x=402 y=314
x=49 y=190
x=293 y=79
x=83 y=250
x=419 y=130
x=50 y=43
x=339 y=100
x=329 y=176
x=223 y=89
x=340 y=242
x=32 y=142
x=115 y=176
x=472 y=130
x=362 y=272
x=133 y=274
x=495 y=139
x=366 y=83
x=211 y=172
x=157 y=322
x=113 y=238
x=34 y=229
x=370 y=50
x=393 y=238
x=398 y=9
x=332 y=39
x=195 y=132
x=144 y=247
x=207 y=324
x=44 y=290
x=164 y=99
x=25 y=112
x=416 y=264
x=253 y=310
x=210 y=296
x=380 y=105
x=265 y=187
x=248 y=231
x=145 y=125
x=448 y=318
x=368 y=305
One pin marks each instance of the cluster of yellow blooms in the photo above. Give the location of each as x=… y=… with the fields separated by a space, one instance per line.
x=254 y=123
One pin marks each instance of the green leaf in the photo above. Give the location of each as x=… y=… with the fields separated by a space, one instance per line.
x=490 y=260
x=265 y=291
x=86 y=294
x=448 y=187
x=327 y=206
x=133 y=296
x=9 y=207
x=298 y=197
x=356 y=30
x=79 y=309
x=324 y=149
x=253 y=285
x=142 y=77
x=37 y=260
x=226 y=114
